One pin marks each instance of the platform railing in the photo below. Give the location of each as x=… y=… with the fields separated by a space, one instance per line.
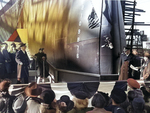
x=62 y=75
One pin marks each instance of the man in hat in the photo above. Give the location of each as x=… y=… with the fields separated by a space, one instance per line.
x=23 y=63
x=41 y=64
x=118 y=96
x=7 y=59
x=13 y=52
x=6 y=100
x=32 y=91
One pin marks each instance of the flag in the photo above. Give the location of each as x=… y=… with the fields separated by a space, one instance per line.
x=93 y=20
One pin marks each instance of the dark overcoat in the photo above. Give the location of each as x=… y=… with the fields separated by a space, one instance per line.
x=13 y=62
x=7 y=60
x=40 y=64
x=22 y=57
x=2 y=66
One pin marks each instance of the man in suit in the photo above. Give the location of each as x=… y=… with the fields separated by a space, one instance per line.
x=23 y=64
x=131 y=66
x=12 y=53
x=43 y=67
x=7 y=58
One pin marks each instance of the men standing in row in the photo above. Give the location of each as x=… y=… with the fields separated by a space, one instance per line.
x=23 y=64
x=131 y=66
x=7 y=59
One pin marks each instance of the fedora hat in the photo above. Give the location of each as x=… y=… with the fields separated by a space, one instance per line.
x=33 y=90
x=41 y=49
x=4 y=85
x=13 y=44
x=128 y=47
x=22 y=44
x=69 y=103
x=118 y=95
x=48 y=96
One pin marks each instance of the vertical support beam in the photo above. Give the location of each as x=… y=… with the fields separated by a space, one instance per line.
x=132 y=27
x=123 y=8
x=100 y=37
x=56 y=76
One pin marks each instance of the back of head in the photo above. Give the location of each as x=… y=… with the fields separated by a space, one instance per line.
x=131 y=95
x=48 y=96
x=138 y=105
x=80 y=103
x=118 y=95
x=100 y=100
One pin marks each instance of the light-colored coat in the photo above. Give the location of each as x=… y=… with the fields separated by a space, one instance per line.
x=146 y=71
x=32 y=106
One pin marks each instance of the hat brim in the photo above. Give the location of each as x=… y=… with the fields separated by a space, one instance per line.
x=41 y=49
x=22 y=45
x=38 y=91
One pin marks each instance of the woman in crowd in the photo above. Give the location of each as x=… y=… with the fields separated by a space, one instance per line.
x=80 y=104
x=145 y=62
x=99 y=101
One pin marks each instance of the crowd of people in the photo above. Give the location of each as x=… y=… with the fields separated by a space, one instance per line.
x=35 y=99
